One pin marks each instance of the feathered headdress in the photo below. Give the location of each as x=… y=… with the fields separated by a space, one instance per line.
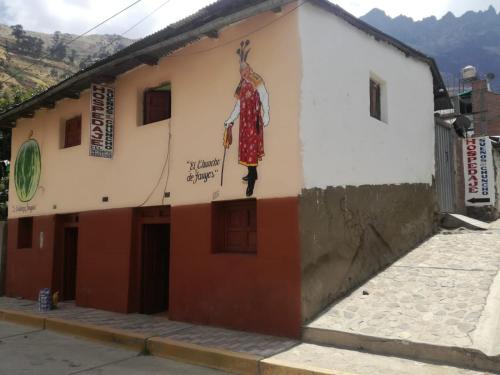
x=243 y=51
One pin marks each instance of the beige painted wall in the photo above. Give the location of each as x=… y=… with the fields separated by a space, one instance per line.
x=203 y=77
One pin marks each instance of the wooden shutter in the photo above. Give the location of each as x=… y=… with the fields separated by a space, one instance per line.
x=236 y=227
x=157 y=106
x=73 y=132
x=375 y=104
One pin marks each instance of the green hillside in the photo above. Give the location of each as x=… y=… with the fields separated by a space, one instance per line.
x=33 y=60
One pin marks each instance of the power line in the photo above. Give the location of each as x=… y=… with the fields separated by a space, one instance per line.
x=137 y=24
x=103 y=22
x=77 y=37
x=145 y=18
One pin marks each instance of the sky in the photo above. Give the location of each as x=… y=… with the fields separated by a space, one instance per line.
x=77 y=16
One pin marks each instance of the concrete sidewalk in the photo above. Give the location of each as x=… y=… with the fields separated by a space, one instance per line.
x=439 y=303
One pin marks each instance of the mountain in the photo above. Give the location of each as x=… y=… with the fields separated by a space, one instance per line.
x=454 y=42
x=32 y=60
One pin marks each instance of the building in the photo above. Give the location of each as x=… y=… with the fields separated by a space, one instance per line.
x=126 y=194
x=476 y=117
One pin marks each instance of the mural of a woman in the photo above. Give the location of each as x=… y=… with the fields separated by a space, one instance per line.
x=252 y=108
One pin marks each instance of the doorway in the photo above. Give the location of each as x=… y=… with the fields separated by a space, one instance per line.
x=70 y=254
x=155 y=268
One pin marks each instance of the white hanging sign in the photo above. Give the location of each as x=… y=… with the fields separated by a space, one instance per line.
x=102 y=121
x=478 y=171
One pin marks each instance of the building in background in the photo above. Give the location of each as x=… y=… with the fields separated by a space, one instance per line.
x=130 y=192
x=476 y=117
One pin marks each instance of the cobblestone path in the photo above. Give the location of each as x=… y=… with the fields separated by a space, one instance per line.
x=437 y=294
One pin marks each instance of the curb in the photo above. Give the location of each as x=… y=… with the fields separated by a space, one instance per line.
x=220 y=359
x=129 y=340
x=278 y=367
x=468 y=358
x=236 y=363
x=23 y=318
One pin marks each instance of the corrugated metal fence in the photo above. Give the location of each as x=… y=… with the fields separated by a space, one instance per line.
x=445 y=170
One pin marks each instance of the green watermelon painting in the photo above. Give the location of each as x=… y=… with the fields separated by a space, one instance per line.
x=27 y=170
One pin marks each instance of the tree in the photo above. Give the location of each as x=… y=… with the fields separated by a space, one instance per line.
x=58 y=50
x=17 y=31
x=72 y=56
x=26 y=44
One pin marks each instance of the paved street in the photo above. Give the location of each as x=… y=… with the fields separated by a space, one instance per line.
x=446 y=292
x=24 y=350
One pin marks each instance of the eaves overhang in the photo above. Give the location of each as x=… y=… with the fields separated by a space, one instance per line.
x=205 y=23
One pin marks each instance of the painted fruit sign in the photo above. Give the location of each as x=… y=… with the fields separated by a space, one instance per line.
x=27 y=170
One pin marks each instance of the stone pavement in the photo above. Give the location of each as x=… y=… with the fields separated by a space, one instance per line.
x=444 y=293
x=236 y=341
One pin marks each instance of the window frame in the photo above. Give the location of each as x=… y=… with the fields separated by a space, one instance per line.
x=221 y=227
x=77 y=140
x=149 y=117
x=375 y=99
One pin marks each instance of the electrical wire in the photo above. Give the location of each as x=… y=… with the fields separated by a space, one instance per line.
x=76 y=38
x=167 y=161
x=145 y=18
x=137 y=24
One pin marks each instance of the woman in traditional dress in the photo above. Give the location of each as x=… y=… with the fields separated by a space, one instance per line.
x=252 y=107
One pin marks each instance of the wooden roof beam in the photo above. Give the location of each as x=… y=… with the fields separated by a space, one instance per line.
x=8 y=124
x=104 y=78
x=148 y=59
x=30 y=114
x=212 y=34
x=72 y=95
x=49 y=104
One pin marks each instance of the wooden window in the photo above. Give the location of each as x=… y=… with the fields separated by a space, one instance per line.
x=73 y=132
x=235 y=227
x=157 y=104
x=25 y=233
x=375 y=100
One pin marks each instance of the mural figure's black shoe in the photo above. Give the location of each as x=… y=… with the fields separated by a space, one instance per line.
x=251 y=185
x=251 y=171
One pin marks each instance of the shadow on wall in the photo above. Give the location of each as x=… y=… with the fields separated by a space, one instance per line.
x=350 y=233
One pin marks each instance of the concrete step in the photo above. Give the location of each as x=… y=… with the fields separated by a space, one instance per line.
x=454 y=221
x=330 y=360
x=468 y=358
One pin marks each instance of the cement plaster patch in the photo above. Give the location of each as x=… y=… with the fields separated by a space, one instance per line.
x=350 y=233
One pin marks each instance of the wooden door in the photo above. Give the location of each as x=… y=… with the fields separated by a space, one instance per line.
x=155 y=268
x=70 y=252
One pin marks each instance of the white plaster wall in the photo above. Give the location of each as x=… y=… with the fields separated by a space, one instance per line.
x=341 y=143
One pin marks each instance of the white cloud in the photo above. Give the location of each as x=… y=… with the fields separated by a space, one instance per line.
x=77 y=16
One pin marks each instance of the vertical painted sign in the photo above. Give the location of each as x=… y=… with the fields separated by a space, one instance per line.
x=478 y=171
x=102 y=121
